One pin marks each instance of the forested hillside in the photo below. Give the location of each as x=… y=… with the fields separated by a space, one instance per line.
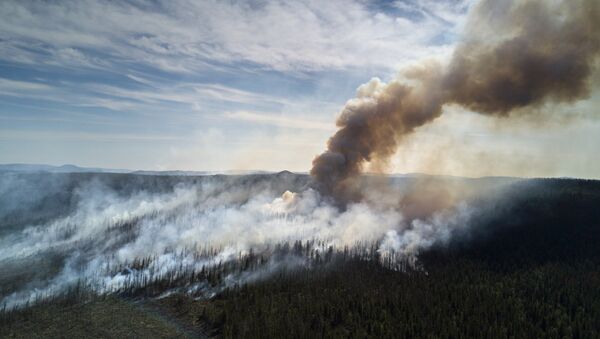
x=530 y=269
x=528 y=266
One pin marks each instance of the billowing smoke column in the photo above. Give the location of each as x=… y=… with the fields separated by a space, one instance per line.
x=517 y=55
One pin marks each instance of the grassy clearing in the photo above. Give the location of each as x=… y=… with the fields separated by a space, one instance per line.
x=109 y=317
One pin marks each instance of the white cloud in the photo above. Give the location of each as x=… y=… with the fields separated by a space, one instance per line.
x=13 y=86
x=81 y=136
x=187 y=36
x=452 y=12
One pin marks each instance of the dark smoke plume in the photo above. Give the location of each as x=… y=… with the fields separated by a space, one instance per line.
x=517 y=55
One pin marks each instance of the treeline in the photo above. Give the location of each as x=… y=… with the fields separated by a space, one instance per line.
x=529 y=267
x=465 y=299
x=203 y=271
x=207 y=273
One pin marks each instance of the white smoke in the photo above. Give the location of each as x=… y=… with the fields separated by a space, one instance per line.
x=107 y=231
x=425 y=233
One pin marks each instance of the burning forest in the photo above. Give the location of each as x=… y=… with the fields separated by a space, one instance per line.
x=276 y=254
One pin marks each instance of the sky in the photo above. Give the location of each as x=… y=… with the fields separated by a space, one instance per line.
x=248 y=85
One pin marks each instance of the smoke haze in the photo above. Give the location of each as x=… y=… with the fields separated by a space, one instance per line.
x=103 y=224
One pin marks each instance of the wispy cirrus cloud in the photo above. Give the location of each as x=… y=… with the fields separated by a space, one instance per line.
x=188 y=36
x=14 y=87
x=139 y=72
x=126 y=56
x=85 y=136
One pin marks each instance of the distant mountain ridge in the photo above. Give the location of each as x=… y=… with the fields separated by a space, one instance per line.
x=68 y=168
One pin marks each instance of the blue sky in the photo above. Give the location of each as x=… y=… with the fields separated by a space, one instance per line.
x=221 y=85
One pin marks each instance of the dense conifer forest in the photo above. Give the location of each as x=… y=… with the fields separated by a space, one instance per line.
x=534 y=272
x=528 y=268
